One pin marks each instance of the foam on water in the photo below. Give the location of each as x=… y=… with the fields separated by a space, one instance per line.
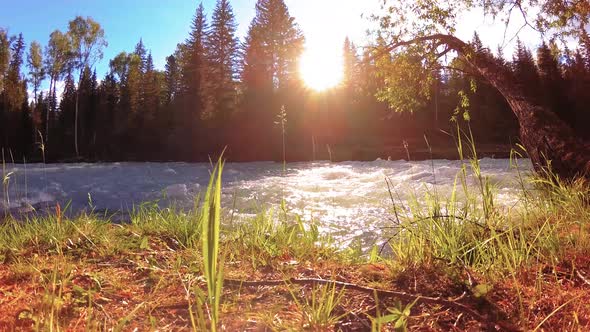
x=347 y=197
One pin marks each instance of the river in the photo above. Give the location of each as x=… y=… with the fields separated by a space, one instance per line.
x=349 y=199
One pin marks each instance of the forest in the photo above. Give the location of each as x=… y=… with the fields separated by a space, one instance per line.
x=218 y=91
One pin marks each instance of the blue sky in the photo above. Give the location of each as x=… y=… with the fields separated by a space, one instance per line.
x=161 y=24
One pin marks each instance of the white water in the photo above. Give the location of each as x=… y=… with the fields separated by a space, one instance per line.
x=347 y=198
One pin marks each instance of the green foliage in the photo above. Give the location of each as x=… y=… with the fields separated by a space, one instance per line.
x=58 y=54
x=264 y=239
x=35 y=63
x=411 y=43
x=406 y=80
x=87 y=41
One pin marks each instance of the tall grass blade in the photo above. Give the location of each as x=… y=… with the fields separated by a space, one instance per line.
x=211 y=218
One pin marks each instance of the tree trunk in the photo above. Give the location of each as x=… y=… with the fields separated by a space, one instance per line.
x=549 y=141
x=49 y=106
x=76 y=123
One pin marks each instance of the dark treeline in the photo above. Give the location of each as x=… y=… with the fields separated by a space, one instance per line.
x=217 y=91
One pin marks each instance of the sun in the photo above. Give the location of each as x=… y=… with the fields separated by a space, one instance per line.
x=320 y=69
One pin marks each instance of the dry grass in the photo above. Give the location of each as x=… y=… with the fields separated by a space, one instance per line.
x=146 y=289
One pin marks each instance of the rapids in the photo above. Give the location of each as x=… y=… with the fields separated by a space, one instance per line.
x=349 y=199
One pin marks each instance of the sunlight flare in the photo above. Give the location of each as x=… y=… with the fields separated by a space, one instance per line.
x=320 y=69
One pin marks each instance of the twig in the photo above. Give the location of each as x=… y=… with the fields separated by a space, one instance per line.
x=457 y=320
x=581 y=276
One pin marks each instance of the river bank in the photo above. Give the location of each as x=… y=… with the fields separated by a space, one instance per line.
x=85 y=274
x=452 y=264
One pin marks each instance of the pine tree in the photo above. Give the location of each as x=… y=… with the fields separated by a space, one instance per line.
x=577 y=78
x=172 y=128
x=127 y=68
x=478 y=44
x=150 y=89
x=280 y=39
x=26 y=132
x=269 y=74
x=107 y=125
x=132 y=92
x=350 y=67
x=5 y=43
x=196 y=65
x=525 y=70
x=14 y=88
x=40 y=115
x=142 y=53
x=17 y=127
x=151 y=104
x=172 y=77
x=500 y=56
x=63 y=132
x=256 y=77
x=88 y=91
x=222 y=57
x=552 y=83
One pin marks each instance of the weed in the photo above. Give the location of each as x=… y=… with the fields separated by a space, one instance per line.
x=318 y=309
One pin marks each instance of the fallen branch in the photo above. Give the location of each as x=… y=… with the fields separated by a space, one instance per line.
x=449 y=303
x=369 y=290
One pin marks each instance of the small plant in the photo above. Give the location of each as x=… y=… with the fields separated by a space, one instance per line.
x=5 y=181
x=53 y=302
x=282 y=121
x=318 y=313
x=212 y=269
x=398 y=315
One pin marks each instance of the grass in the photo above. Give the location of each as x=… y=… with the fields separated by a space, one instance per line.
x=167 y=269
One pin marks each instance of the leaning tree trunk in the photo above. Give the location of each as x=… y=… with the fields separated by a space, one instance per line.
x=548 y=139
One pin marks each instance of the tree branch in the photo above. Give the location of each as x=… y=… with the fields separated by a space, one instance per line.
x=453 y=44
